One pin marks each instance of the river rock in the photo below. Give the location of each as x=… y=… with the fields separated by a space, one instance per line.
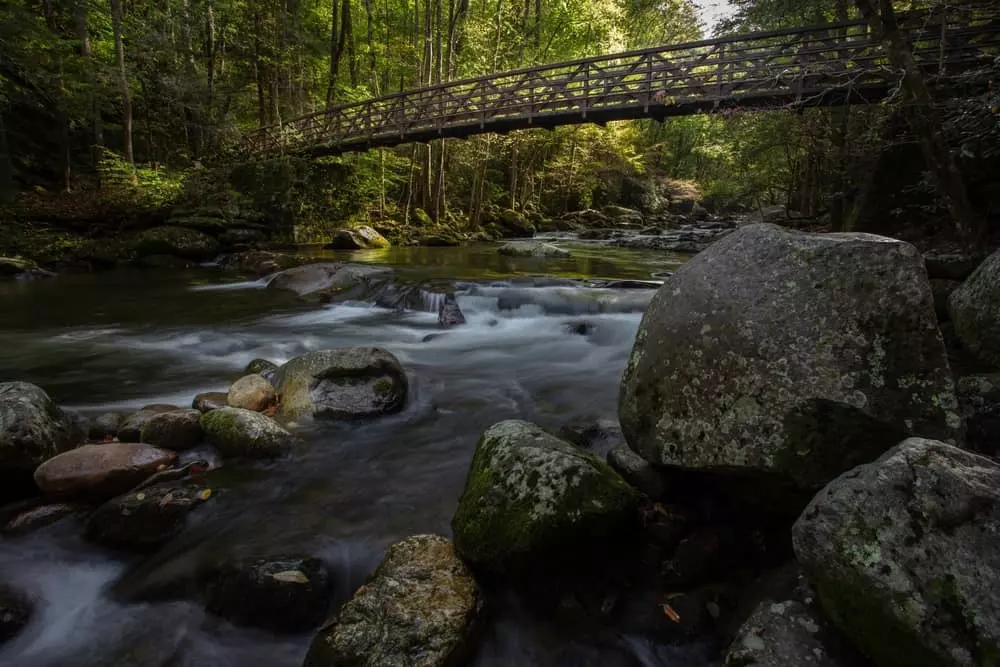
x=358 y=238
x=16 y=610
x=266 y=369
x=788 y=358
x=637 y=471
x=327 y=279
x=38 y=517
x=531 y=249
x=418 y=610
x=210 y=400
x=177 y=242
x=979 y=402
x=145 y=519
x=975 y=311
x=282 y=594
x=176 y=430
x=32 y=430
x=531 y=498
x=22 y=269
x=450 y=315
x=244 y=433
x=905 y=555
x=131 y=427
x=252 y=392
x=952 y=265
x=622 y=217
x=98 y=472
x=347 y=383
x=781 y=634
x=105 y=426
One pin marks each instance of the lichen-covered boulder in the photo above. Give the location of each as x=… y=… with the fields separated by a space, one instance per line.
x=327 y=279
x=788 y=358
x=282 y=594
x=781 y=634
x=177 y=430
x=245 y=433
x=252 y=392
x=175 y=241
x=98 y=472
x=418 y=610
x=130 y=429
x=266 y=369
x=530 y=498
x=358 y=238
x=531 y=249
x=905 y=556
x=146 y=518
x=975 y=311
x=32 y=430
x=347 y=383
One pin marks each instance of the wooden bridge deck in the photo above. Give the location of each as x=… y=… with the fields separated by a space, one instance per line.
x=815 y=66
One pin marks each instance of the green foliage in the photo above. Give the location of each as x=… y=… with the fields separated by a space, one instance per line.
x=125 y=186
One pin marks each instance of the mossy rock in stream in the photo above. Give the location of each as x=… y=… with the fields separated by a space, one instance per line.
x=244 y=433
x=532 y=500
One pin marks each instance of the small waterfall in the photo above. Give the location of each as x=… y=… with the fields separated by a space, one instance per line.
x=431 y=301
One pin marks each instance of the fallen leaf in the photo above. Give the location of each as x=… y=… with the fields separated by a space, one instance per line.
x=291 y=576
x=205 y=494
x=670 y=613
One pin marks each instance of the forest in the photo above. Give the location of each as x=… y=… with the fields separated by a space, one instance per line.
x=129 y=109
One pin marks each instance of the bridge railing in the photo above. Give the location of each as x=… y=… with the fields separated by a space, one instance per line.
x=798 y=65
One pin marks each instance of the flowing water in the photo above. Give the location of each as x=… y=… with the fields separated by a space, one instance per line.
x=124 y=339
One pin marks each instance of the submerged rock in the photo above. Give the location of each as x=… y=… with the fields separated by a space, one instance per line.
x=177 y=242
x=210 y=400
x=531 y=249
x=252 y=392
x=32 y=430
x=283 y=594
x=975 y=311
x=358 y=238
x=266 y=369
x=16 y=610
x=176 y=430
x=146 y=518
x=530 y=499
x=38 y=517
x=98 y=472
x=131 y=427
x=328 y=279
x=347 y=383
x=243 y=433
x=905 y=555
x=450 y=315
x=418 y=610
x=788 y=358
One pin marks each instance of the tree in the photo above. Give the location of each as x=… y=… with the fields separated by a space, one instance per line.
x=126 y=94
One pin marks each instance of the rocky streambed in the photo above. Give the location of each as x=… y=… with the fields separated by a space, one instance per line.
x=767 y=460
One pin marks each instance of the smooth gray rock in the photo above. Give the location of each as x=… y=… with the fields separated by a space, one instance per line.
x=32 y=430
x=531 y=249
x=975 y=311
x=177 y=430
x=245 y=433
x=788 y=358
x=530 y=498
x=130 y=429
x=418 y=610
x=905 y=556
x=346 y=383
x=327 y=279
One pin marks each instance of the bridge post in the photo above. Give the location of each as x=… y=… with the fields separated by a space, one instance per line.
x=586 y=88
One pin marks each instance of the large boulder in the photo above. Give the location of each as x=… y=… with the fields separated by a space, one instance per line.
x=781 y=634
x=252 y=392
x=905 y=556
x=98 y=472
x=328 y=279
x=177 y=242
x=347 y=383
x=531 y=249
x=146 y=518
x=975 y=311
x=788 y=358
x=418 y=610
x=32 y=430
x=177 y=430
x=130 y=429
x=245 y=433
x=530 y=499
x=283 y=594
x=358 y=238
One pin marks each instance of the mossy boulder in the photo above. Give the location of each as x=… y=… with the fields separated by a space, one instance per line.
x=244 y=433
x=177 y=242
x=514 y=224
x=358 y=238
x=346 y=383
x=16 y=267
x=905 y=556
x=531 y=499
x=975 y=311
x=531 y=249
x=788 y=358
x=419 y=609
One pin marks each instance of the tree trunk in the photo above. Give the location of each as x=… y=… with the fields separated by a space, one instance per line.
x=116 y=26
x=62 y=118
x=191 y=110
x=923 y=117
x=841 y=126
x=258 y=70
x=331 y=84
x=83 y=35
x=210 y=75
x=347 y=42
x=372 y=65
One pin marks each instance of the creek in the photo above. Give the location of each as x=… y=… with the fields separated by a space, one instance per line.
x=124 y=339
